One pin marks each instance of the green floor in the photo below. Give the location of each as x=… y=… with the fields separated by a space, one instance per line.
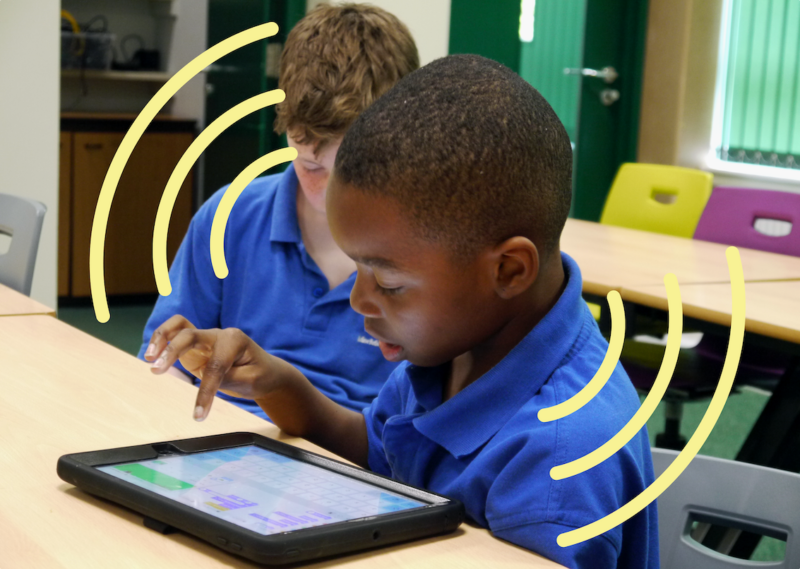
x=124 y=330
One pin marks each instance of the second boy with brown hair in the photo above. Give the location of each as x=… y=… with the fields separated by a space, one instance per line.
x=289 y=283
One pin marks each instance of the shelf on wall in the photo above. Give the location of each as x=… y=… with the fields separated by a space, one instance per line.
x=111 y=75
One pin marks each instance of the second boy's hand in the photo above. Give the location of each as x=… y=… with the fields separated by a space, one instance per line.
x=228 y=360
x=224 y=360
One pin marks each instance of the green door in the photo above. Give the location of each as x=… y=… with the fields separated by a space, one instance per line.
x=238 y=76
x=608 y=115
x=563 y=47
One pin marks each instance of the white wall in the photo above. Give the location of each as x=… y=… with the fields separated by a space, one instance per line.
x=189 y=36
x=428 y=21
x=29 y=120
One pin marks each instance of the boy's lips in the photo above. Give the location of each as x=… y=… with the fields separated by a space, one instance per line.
x=390 y=351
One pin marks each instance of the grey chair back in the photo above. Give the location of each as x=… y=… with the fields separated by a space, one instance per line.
x=734 y=494
x=21 y=219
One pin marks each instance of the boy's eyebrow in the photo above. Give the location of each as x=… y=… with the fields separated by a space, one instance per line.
x=378 y=262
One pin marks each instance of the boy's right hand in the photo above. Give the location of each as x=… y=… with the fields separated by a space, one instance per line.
x=226 y=360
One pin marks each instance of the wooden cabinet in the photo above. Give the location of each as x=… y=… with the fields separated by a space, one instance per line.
x=128 y=248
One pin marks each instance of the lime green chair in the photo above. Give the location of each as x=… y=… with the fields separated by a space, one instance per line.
x=657 y=198
x=661 y=199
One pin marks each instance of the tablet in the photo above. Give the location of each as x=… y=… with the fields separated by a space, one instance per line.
x=259 y=498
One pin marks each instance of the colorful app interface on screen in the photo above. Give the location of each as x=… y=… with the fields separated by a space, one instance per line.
x=260 y=490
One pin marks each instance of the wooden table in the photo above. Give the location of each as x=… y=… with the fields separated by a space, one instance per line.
x=772 y=308
x=13 y=303
x=613 y=258
x=64 y=391
x=772 y=318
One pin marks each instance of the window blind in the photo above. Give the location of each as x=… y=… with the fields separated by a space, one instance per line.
x=761 y=86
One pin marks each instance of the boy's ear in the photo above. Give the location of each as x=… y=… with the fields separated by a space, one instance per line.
x=516 y=266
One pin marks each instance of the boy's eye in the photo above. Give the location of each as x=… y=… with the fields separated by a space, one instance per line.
x=388 y=291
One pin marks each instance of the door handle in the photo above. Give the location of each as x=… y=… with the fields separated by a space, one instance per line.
x=609 y=96
x=607 y=74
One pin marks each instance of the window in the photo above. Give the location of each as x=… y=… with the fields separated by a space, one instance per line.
x=757 y=108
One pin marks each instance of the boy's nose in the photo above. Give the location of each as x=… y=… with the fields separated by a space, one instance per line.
x=360 y=298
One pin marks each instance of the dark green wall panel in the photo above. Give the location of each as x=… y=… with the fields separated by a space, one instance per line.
x=490 y=29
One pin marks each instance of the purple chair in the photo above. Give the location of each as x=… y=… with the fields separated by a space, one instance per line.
x=730 y=217
x=731 y=214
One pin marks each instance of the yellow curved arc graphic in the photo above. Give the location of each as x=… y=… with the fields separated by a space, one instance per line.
x=182 y=169
x=100 y=223
x=653 y=398
x=703 y=430
x=603 y=373
x=229 y=199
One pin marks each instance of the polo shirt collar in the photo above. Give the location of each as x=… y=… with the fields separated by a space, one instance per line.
x=285 y=227
x=467 y=421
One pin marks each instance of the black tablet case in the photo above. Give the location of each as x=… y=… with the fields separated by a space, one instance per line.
x=163 y=514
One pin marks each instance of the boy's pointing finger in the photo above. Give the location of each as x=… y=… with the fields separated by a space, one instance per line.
x=226 y=350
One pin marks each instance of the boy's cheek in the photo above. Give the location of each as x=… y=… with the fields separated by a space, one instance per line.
x=314 y=190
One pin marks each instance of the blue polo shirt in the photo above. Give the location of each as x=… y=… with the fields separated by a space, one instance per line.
x=275 y=293
x=486 y=446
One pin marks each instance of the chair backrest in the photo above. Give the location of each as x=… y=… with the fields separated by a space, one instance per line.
x=662 y=199
x=731 y=214
x=728 y=493
x=21 y=219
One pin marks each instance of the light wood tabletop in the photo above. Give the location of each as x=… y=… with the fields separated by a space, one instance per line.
x=772 y=309
x=64 y=392
x=13 y=303
x=611 y=258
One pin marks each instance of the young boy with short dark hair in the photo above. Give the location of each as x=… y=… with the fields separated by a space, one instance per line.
x=289 y=282
x=450 y=194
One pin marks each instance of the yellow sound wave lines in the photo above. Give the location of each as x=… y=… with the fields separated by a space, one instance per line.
x=653 y=398
x=182 y=169
x=606 y=368
x=703 y=430
x=229 y=199
x=100 y=223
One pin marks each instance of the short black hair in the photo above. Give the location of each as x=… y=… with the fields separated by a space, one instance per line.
x=470 y=150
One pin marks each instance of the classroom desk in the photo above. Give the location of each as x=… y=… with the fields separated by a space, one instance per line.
x=13 y=303
x=772 y=320
x=772 y=309
x=612 y=258
x=64 y=391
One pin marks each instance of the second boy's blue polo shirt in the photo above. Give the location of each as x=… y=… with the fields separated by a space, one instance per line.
x=487 y=447
x=275 y=293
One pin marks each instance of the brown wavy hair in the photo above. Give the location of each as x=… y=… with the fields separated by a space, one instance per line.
x=338 y=60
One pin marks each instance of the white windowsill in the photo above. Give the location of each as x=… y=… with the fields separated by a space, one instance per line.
x=718 y=166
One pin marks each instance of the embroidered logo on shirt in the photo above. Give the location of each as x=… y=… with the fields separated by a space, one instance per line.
x=365 y=340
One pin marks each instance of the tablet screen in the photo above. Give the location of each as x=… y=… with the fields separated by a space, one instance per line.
x=261 y=490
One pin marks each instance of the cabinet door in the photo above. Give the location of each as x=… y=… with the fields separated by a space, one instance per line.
x=64 y=213
x=129 y=235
